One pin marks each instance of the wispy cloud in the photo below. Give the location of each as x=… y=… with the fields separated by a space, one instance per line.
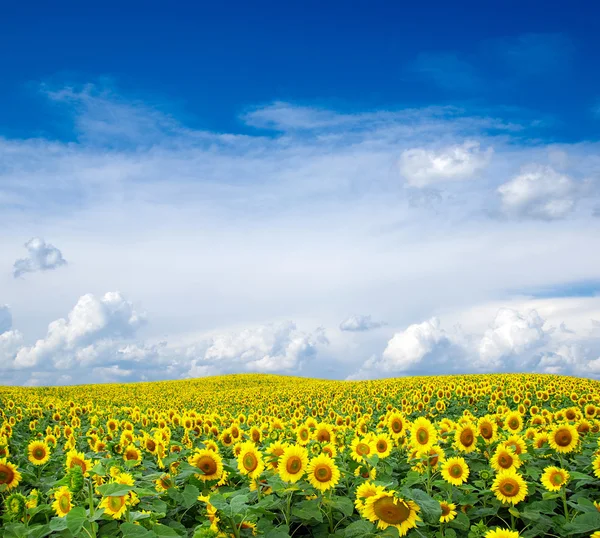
x=42 y=257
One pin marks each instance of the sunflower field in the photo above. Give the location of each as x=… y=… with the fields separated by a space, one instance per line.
x=488 y=456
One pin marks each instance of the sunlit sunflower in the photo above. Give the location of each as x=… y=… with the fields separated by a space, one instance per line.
x=396 y=425
x=387 y=510
x=513 y=422
x=164 y=482
x=250 y=460
x=364 y=491
x=504 y=458
x=324 y=433
x=133 y=455
x=501 y=533
x=361 y=447
x=9 y=476
x=323 y=473
x=209 y=462
x=487 y=429
x=448 y=511
x=274 y=451
x=465 y=437
x=383 y=445
x=423 y=434
x=303 y=435
x=62 y=501
x=509 y=487
x=517 y=443
x=329 y=449
x=293 y=463
x=554 y=478
x=563 y=438
x=79 y=459
x=455 y=471
x=38 y=452
x=114 y=506
x=595 y=466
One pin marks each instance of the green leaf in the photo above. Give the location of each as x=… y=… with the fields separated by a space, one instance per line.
x=450 y=533
x=513 y=511
x=75 y=519
x=412 y=478
x=343 y=504
x=238 y=504
x=130 y=530
x=164 y=531
x=358 y=528
x=279 y=532
x=461 y=522
x=583 y=523
x=114 y=490
x=190 y=495
x=308 y=510
x=430 y=507
x=58 y=524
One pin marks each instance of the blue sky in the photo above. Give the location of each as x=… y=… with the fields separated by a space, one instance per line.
x=344 y=191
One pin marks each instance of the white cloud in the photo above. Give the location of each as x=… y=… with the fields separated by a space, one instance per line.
x=42 y=257
x=539 y=192
x=91 y=320
x=359 y=322
x=422 y=167
x=5 y=318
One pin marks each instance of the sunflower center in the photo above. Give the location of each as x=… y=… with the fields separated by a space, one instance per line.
x=556 y=479
x=207 y=465
x=39 y=453
x=6 y=474
x=466 y=438
x=422 y=436
x=396 y=426
x=64 y=502
x=323 y=473
x=485 y=431
x=362 y=449
x=293 y=465
x=391 y=512
x=150 y=445
x=509 y=487
x=131 y=455
x=434 y=457
x=324 y=436
x=381 y=446
x=456 y=471
x=116 y=503
x=513 y=423
x=445 y=509
x=563 y=438
x=505 y=461
x=250 y=462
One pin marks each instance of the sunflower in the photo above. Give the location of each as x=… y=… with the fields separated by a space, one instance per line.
x=250 y=460
x=516 y=443
x=448 y=511
x=164 y=482
x=383 y=445
x=323 y=473
x=330 y=450
x=464 y=438
x=132 y=454
x=361 y=447
x=324 y=433
x=595 y=466
x=487 y=429
x=513 y=422
x=274 y=451
x=293 y=463
x=209 y=462
x=303 y=435
x=501 y=533
x=423 y=434
x=15 y=505
x=387 y=510
x=554 y=478
x=563 y=438
x=397 y=425
x=38 y=452
x=62 y=501
x=509 y=487
x=9 y=476
x=78 y=458
x=114 y=505
x=504 y=459
x=364 y=491
x=455 y=471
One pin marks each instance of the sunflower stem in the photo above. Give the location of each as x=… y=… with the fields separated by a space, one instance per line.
x=512 y=522
x=563 y=492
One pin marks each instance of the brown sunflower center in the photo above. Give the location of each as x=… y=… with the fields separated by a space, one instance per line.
x=445 y=509
x=323 y=473
x=466 y=437
x=513 y=423
x=64 y=502
x=382 y=446
x=323 y=436
x=563 y=437
x=505 y=460
x=131 y=455
x=456 y=470
x=116 y=503
x=207 y=465
x=397 y=426
x=422 y=436
x=556 y=479
x=304 y=435
x=486 y=431
x=509 y=487
x=293 y=465
x=6 y=474
x=362 y=449
x=391 y=512
x=250 y=462
x=150 y=445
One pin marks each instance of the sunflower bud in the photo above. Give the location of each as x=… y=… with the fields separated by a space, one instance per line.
x=15 y=506
x=75 y=479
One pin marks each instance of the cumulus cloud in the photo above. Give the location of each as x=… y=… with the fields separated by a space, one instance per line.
x=10 y=340
x=5 y=318
x=42 y=257
x=539 y=192
x=91 y=320
x=358 y=323
x=422 y=167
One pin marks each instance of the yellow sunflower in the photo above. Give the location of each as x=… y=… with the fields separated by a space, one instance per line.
x=38 y=452
x=324 y=433
x=274 y=451
x=364 y=491
x=209 y=462
x=78 y=458
x=383 y=445
x=448 y=511
x=563 y=438
x=293 y=463
x=465 y=437
x=513 y=422
x=423 y=434
x=250 y=460
x=9 y=476
x=132 y=454
x=323 y=473
x=387 y=510
x=595 y=466
x=114 y=505
x=62 y=501
x=509 y=487
x=397 y=425
x=504 y=458
x=361 y=447
x=554 y=478
x=487 y=429
x=501 y=533
x=455 y=471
